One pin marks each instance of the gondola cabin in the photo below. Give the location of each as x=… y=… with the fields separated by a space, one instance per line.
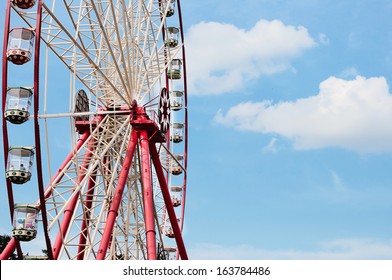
x=20 y=45
x=170 y=233
x=172 y=253
x=172 y=37
x=24 y=4
x=17 y=106
x=176 y=100
x=25 y=222
x=167 y=7
x=174 y=71
x=176 y=165
x=177 y=132
x=176 y=195
x=19 y=164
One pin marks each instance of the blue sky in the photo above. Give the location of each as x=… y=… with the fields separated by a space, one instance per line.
x=290 y=143
x=290 y=138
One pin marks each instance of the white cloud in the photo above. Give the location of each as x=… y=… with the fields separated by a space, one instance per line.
x=323 y=39
x=271 y=147
x=338 y=183
x=222 y=57
x=340 y=249
x=354 y=115
x=350 y=72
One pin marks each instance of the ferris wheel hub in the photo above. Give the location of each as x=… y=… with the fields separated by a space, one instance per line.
x=141 y=121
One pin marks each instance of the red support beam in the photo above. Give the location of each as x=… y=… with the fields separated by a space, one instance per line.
x=8 y=250
x=15 y=243
x=85 y=223
x=57 y=177
x=68 y=213
x=37 y=136
x=168 y=202
x=185 y=89
x=148 y=198
x=113 y=212
x=3 y=102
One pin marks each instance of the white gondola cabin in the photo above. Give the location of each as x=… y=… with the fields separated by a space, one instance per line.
x=177 y=132
x=17 y=106
x=176 y=195
x=169 y=233
x=167 y=7
x=19 y=164
x=174 y=71
x=172 y=37
x=172 y=253
x=20 y=45
x=176 y=100
x=25 y=222
x=24 y=4
x=176 y=165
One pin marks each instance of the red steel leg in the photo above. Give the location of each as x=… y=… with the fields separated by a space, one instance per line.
x=168 y=202
x=148 y=197
x=87 y=208
x=8 y=250
x=71 y=207
x=113 y=212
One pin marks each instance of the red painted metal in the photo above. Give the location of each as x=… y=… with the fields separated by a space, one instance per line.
x=68 y=213
x=59 y=174
x=113 y=212
x=37 y=130
x=168 y=202
x=15 y=243
x=3 y=103
x=185 y=160
x=8 y=250
x=87 y=208
x=148 y=198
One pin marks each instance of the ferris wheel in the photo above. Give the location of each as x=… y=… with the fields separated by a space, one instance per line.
x=119 y=191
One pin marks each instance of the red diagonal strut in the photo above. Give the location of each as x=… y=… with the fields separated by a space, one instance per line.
x=168 y=202
x=113 y=212
x=68 y=213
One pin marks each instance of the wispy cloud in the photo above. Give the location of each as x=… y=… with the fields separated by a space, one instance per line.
x=222 y=57
x=338 y=183
x=271 y=147
x=349 y=73
x=323 y=39
x=350 y=114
